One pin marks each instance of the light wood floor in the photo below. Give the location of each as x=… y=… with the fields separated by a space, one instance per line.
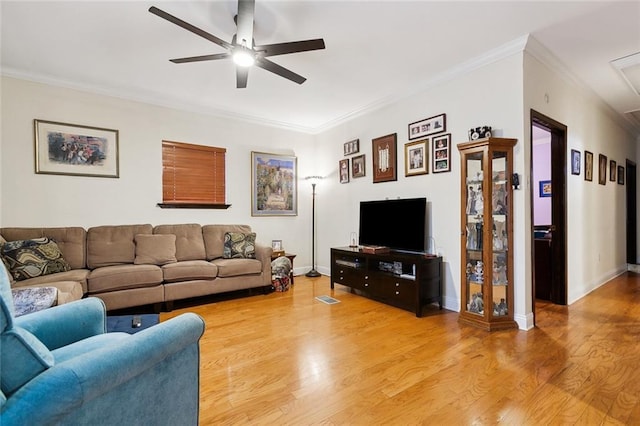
x=286 y=358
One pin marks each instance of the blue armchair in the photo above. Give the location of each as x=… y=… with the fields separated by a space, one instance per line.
x=59 y=366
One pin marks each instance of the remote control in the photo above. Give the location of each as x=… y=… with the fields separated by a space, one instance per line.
x=136 y=322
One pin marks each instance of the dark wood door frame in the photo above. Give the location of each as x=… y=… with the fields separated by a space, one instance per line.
x=558 y=133
x=632 y=225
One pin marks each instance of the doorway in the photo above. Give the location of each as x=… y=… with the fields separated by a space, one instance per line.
x=548 y=189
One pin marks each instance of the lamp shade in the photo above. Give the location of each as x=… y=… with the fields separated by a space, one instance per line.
x=313 y=179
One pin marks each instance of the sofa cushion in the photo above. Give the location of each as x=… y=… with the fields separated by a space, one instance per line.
x=26 y=355
x=77 y=275
x=113 y=245
x=155 y=249
x=120 y=277
x=71 y=240
x=214 y=238
x=189 y=270
x=239 y=245
x=236 y=267
x=33 y=258
x=189 y=241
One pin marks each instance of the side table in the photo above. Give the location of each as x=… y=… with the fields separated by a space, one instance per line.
x=289 y=256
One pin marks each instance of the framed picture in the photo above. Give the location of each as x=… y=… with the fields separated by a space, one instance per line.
x=357 y=166
x=276 y=245
x=602 y=169
x=441 y=146
x=545 y=188
x=612 y=170
x=575 y=162
x=588 y=166
x=274 y=190
x=428 y=126
x=352 y=147
x=344 y=170
x=384 y=158
x=621 y=175
x=416 y=161
x=73 y=149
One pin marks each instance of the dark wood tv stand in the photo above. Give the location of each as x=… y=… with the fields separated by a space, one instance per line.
x=405 y=280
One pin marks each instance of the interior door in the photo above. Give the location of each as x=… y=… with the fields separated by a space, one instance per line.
x=632 y=227
x=558 y=246
x=558 y=217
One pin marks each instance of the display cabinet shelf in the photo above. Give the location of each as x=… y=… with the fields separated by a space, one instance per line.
x=486 y=233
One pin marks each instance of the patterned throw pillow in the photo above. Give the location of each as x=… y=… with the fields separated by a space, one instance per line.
x=239 y=246
x=33 y=258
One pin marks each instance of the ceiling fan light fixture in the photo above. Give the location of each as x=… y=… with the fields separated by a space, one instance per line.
x=243 y=57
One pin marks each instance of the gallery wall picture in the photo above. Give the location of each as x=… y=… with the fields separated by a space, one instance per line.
x=416 y=158
x=428 y=126
x=588 y=166
x=575 y=162
x=358 y=166
x=384 y=158
x=621 y=175
x=274 y=190
x=343 y=166
x=73 y=149
x=602 y=169
x=441 y=146
x=612 y=170
x=352 y=147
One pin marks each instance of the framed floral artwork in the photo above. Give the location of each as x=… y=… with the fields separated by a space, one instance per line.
x=274 y=190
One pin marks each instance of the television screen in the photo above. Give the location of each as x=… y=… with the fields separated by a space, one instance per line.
x=398 y=224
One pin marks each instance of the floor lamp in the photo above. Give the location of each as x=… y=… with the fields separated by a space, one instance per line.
x=313 y=272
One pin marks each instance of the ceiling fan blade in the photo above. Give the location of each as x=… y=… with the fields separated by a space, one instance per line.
x=187 y=26
x=200 y=58
x=241 y=77
x=290 y=47
x=246 y=9
x=279 y=70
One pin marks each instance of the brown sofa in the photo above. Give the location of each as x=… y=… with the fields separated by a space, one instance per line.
x=133 y=265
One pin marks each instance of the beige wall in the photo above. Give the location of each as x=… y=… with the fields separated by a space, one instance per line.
x=487 y=95
x=596 y=228
x=29 y=199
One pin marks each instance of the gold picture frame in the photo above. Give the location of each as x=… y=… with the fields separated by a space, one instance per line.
x=416 y=158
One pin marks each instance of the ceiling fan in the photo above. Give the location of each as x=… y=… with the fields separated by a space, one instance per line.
x=242 y=47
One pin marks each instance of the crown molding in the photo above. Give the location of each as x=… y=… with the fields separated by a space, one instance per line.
x=123 y=93
x=547 y=58
x=506 y=50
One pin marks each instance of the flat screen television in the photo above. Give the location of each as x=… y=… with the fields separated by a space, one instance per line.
x=399 y=224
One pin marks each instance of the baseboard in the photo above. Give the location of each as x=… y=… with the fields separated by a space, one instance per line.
x=632 y=267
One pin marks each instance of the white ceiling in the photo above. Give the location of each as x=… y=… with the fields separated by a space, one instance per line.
x=376 y=51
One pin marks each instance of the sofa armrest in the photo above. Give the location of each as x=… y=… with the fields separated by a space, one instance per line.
x=263 y=254
x=150 y=377
x=65 y=324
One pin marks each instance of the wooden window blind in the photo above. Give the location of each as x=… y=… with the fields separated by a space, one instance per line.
x=192 y=175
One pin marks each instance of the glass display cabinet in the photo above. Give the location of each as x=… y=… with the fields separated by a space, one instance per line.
x=487 y=233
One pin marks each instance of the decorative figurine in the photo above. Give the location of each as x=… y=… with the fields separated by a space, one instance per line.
x=477 y=304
